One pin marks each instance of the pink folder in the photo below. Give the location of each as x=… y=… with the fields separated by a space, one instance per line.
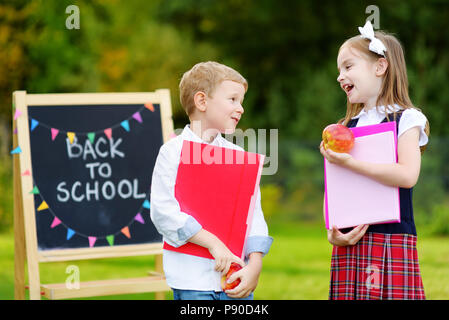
x=218 y=187
x=352 y=199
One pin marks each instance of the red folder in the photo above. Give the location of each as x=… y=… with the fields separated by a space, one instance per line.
x=218 y=187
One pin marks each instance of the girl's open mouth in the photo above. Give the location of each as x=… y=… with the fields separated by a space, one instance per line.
x=347 y=88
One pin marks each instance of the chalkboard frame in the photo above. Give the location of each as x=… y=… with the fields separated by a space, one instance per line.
x=27 y=206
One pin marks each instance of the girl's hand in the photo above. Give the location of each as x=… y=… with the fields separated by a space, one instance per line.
x=335 y=237
x=341 y=159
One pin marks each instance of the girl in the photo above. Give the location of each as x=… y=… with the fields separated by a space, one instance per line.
x=379 y=261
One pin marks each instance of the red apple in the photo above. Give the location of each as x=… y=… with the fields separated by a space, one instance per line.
x=338 y=138
x=228 y=286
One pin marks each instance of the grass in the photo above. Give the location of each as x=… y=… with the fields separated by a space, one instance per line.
x=297 y=266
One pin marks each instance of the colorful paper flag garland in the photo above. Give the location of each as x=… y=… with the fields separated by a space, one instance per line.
x=91 y=135
x=92 y=239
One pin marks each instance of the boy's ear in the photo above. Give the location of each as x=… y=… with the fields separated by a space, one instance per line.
x=382 y=66
x=200 y=100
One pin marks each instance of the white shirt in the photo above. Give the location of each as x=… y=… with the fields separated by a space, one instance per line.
x=184 y=271
x=410 y=118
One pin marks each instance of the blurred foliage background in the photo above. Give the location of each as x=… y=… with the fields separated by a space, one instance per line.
x=286 y=49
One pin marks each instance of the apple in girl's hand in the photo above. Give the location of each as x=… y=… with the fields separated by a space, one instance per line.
x=224 y=279
x=338 y=138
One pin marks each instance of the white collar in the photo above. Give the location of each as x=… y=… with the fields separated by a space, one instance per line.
x=188 y=134
x=379 y=110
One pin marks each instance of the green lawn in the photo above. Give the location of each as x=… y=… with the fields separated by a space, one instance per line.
x=297 y=266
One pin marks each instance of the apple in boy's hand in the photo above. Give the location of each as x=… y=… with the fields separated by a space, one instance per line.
x=224 y=279
x=338 y=138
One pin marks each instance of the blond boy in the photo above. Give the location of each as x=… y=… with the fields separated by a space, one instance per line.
x=212 y=96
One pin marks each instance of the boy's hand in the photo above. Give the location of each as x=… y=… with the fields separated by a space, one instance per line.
x=335 y=237
x=249 y=277
x=223 y=257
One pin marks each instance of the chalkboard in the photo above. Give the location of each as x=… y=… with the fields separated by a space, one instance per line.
x=96 y=186
x=82 y=166
x=88 y=161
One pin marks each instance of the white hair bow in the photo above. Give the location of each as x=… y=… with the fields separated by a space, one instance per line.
x=375 y=45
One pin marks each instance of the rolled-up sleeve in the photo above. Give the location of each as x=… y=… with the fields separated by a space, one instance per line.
x=258 y=239
x=190 y=228
x=175 y=226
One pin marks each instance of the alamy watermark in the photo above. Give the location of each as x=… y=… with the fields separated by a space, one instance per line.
x=73 y=280
x=373 y=279
x=73 y=20
x=260 y=141
x=375 y=15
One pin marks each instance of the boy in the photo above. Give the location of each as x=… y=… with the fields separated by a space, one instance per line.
x=212 y=96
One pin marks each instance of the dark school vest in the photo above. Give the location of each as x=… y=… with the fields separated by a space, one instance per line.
x=407 y=224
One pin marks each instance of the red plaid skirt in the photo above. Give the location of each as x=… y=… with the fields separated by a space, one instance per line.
x=379 y=266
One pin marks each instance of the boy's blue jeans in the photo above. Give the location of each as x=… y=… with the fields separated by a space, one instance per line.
x=179 y=294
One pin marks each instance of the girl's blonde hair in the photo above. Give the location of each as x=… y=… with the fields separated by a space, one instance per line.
x=394 y=89
x=205 y=77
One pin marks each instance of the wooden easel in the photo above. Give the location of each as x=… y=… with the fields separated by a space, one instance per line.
x=25 y=235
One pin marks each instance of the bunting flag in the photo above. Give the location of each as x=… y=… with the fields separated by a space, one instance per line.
x=139 y=218
x=125 y=125
x=110 y=240
x=70 y=233
x=34 y=124
x=17 y=114
x=55 y=222
x=125 y=231
x=71 y=136
x=146 y=204
x=54 y=133
x=149 y=106
x=15 y=131
x=26 y=173
x=35 y=190
x=43 y=206
x=138 y=117
x=108 y=133
x=91 y=136
x=92 y=241
x=16 y=150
